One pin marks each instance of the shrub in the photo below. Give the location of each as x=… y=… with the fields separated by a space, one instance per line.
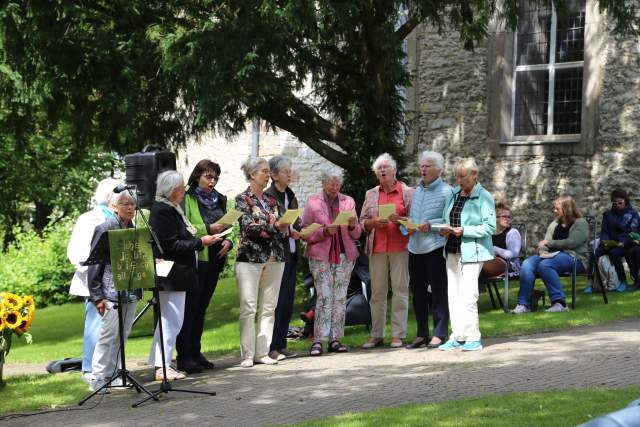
x=37 y=265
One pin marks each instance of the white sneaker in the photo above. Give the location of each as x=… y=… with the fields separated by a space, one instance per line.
x=265 y=360
x=96 y=384
x=247 y=363
x=521 y=308
x=277 y=355
x=557 y=308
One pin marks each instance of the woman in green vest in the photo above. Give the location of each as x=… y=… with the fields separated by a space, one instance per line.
x=203 y=207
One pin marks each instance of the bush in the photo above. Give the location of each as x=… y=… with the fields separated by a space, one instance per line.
x=37 y=265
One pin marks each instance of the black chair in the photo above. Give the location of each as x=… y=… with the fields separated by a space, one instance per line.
x=591 y=269
x=492 y=282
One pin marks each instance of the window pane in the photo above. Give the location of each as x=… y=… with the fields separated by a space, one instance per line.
x=532 y=88
x=567 y=105
x=570 y=35
x=533 y=35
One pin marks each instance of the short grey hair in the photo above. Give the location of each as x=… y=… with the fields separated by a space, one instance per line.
x=467 y=164
x=433 y=157
x=117 y=198
x=167 y=182
x=330 y=174
x=104 y=191
x=277 y=163
x=385 y=157
x=251 y=165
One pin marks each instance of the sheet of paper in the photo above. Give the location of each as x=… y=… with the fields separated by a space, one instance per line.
x=163 y=267
x=438 y=227
x=408 y=224
x=385 y=211
x=310 y=229
x=549 y=254
x=225 y=232
x=229 y=218
x=343 y=218
x=290 y=216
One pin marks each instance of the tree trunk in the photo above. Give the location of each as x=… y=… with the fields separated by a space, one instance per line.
x=41 y=216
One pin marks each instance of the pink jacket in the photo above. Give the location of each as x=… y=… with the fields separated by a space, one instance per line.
x=318 y=245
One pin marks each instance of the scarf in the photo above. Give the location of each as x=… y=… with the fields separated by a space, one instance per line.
x=108 y=213
x=190 y=228
x=208 y=200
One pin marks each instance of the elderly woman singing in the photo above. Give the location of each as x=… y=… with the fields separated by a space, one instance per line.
x=387 y=251
x=332 y=251
x=471 y=218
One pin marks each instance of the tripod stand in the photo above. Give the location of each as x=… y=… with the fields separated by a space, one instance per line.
x=165 y=385
x=122 y=371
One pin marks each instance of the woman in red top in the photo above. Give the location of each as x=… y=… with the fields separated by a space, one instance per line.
x=387 y=251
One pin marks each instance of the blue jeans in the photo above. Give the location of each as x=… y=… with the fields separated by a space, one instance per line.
x=548 y=269
x=92 y=322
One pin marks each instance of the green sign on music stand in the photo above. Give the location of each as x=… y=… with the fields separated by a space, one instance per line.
x=131 y=258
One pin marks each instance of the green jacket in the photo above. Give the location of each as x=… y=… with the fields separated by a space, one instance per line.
x=576 y=244
x=479 y=222
x=193 y=214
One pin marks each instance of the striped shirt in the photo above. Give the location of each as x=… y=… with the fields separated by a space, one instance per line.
x=455 y=219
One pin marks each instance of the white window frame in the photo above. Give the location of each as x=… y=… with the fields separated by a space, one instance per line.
x=551 y=67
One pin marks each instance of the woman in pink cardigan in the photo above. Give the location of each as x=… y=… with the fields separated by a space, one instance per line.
x=331 y=250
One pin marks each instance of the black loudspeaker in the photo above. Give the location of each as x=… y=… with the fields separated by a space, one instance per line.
x=142 y=170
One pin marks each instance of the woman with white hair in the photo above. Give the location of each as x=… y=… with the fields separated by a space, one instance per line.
x=471 y=218
x=176 y=236
x=78 y=250
x=332 y=252
x=427 y=267
x=387 y=250
x=259 y=263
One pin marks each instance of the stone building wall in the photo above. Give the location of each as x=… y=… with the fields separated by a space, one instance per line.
x=451 y=90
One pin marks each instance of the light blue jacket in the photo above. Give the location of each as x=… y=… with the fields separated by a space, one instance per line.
x=479 y=222
x=427 y=207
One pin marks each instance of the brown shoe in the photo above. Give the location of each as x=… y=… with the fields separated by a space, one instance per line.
x=172 y=374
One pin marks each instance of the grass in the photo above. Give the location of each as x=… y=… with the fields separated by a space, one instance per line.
x=549 y=408
x=57 y=331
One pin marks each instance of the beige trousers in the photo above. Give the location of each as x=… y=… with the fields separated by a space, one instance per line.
x=463 y=298
x=381 y=266
x=258 y=283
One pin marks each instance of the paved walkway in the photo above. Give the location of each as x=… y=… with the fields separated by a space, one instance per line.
x=306 y=388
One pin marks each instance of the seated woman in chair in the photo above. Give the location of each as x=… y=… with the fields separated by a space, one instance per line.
x=615 y=241
x=565 y=240
x=506 y=246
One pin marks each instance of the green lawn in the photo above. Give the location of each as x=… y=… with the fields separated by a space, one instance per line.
x=549 y=408
x=57 y=331
x=29 y=392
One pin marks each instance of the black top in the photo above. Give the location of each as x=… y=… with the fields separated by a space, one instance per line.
x=178 y=245
x=500 y=240
x=560 y=232
x=293 y=204
x=453 y=242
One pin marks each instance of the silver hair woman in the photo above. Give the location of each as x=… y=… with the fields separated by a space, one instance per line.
x=332 y=251
x=281 y=170
x=471 y=218
x=426 y=263
x=387 y=251
x=259 y=263
x=177 y=237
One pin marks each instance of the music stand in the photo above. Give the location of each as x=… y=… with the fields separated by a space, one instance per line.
x=100 y=255
x=165 y=385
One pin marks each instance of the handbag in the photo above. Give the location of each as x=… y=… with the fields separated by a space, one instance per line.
x=608 y=274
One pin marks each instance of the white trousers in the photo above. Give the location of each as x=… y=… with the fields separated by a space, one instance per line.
x=381 y=265
x=258 y=283
x=106 y=356
x=463 y=298
x=172 y=315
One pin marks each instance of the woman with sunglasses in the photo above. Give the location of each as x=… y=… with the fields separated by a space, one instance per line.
x=506 y=246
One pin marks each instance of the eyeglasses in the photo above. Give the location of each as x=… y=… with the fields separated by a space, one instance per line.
x=504 y=216
x=211 y=177
x=619 y=202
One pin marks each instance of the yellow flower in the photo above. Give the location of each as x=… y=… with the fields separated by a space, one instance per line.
x=28 y=300
x=13 y=301
x=1 y=324
x=24 y=325
x=12 y=319
x=1 y=306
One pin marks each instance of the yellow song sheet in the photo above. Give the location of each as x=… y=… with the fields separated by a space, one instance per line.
x=385 y=211
x=409 y=225
x=310 y=229
x=343 y=218
x=229 y=218
x=290 y=216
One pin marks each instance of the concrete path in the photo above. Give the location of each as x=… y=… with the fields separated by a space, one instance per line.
x=306 y=388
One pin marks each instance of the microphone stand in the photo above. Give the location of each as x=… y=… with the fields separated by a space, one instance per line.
x=165 y=385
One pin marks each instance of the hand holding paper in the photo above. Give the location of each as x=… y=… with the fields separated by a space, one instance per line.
x=290 y=216
x=343 y=218
x=385 y=211
x=306 y=232
x=409 y=225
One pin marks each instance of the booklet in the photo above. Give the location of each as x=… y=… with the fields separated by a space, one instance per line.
x=224 y=233
x=409 y=225
x=290 y=216
x=310 y=229
x=163 y=267
x=438 y=227
x=343 y=218
x=385 y=211
x=229 y=218
x=548 y=254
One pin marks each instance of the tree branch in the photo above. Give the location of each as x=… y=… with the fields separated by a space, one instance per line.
x=405 y=29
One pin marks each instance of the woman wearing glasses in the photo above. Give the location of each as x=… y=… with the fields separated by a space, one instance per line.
x=506 y=246
x=203 y=207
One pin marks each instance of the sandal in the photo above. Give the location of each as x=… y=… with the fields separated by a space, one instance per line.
x=337 y=347
x=316 y=349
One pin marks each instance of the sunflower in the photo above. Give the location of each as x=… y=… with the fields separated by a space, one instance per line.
x=13 y=301
x=12 y=319
x=1 y=324
x=28 y=300
x=1 y=306
x=24 y=325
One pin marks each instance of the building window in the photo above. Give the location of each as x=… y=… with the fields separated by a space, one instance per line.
x=548 y=65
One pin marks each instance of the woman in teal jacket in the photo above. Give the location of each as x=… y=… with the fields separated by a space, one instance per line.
x=471 y=221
